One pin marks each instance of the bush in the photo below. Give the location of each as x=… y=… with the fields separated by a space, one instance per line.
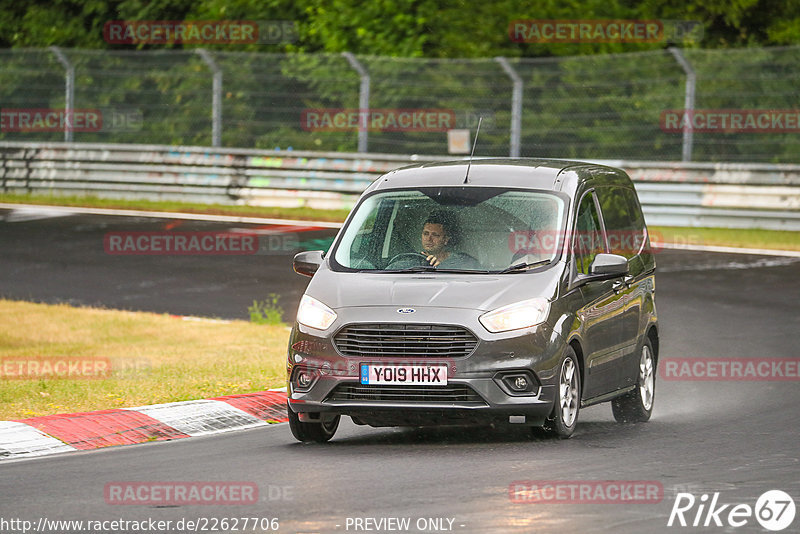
x=267 y=311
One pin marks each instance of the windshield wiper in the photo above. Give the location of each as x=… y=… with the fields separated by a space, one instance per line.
x=446 y=270
x=414 y=269
x=432 y=269
x=523 y=266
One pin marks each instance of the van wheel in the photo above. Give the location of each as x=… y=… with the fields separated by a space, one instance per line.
x=637 y=406
x=319 y=432
x=564 y=418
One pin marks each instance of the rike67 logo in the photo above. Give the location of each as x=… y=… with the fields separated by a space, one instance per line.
x=774 y=510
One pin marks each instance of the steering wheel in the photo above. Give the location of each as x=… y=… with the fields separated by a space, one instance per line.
x=412 y=258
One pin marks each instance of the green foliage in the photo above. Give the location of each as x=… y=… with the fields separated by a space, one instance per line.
x=597 y=100
x=406 y=28
x=267 y=311
x=602 y=106
x=321 y=243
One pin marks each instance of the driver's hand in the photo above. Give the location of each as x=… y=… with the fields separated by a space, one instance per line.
x=433 y=260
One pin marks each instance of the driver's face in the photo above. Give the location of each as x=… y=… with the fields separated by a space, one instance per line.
x=434 y=238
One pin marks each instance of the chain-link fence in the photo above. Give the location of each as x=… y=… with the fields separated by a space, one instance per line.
x=601 y=107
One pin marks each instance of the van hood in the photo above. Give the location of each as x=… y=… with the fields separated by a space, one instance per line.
x=481 y=292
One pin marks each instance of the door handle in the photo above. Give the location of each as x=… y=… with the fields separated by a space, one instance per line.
x=619 y=285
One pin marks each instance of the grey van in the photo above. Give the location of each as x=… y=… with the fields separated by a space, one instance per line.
x=513 y=290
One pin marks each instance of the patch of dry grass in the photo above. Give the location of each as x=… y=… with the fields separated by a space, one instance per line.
x=153 y=358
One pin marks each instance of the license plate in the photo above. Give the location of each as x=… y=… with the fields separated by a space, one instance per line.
x=399 y=375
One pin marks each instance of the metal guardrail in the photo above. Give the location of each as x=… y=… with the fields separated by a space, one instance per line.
x=672 y=194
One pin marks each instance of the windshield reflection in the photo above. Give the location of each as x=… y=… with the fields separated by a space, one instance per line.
x=453 y=229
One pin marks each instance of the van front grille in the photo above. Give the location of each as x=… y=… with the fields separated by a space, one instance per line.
x=455 y=394
x=405 y=340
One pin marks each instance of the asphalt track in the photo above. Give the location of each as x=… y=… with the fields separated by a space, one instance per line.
x=48 y=257
x=737 y=438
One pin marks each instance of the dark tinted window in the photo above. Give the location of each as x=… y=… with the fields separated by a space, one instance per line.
x=623 y=220
x=588 y=239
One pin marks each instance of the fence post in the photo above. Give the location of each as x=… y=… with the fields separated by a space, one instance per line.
x=363 y=100
x=516 y=106
x=216 y=97
x=70 y=91
x=688 y=103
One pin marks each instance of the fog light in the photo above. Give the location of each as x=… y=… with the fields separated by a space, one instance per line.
x=303 y=379
x=517 y=382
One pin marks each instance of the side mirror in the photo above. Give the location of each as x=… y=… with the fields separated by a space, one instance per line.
x=607 y=266
x=308 y=262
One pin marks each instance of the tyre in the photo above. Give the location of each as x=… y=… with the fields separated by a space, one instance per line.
x=564 y=418
x=637 y=406
x=319 y=432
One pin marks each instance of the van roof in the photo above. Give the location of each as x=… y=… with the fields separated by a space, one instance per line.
x=533 y=173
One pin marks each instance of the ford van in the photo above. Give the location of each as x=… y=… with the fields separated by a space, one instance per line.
x=468 y=293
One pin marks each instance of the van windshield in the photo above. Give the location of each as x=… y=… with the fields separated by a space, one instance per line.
x=473 y=229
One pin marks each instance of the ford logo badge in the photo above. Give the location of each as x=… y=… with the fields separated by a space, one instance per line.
x=406 y=310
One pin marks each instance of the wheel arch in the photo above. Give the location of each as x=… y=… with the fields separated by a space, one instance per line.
x=652 y=335
x=576 y=346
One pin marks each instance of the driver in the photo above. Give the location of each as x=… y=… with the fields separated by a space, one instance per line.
x=438 y=232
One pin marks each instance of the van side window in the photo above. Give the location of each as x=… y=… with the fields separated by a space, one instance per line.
x=623 y=220
x=588 y=239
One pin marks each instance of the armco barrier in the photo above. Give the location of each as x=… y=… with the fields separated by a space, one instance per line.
x=675 y=194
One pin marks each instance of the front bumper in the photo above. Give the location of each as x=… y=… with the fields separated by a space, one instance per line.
x=474 y=393
x=385 y=407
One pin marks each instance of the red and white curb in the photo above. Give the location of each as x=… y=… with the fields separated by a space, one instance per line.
x=52 y=434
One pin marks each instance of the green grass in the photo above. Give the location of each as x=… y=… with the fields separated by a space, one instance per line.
x=729 y=237
x=184 y=207
x=152 y=358
x=267 y=311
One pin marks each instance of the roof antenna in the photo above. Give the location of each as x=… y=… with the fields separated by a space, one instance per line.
x=466 y=178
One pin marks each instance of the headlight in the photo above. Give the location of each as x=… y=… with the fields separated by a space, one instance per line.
x=518 y=315
x=315 y=314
